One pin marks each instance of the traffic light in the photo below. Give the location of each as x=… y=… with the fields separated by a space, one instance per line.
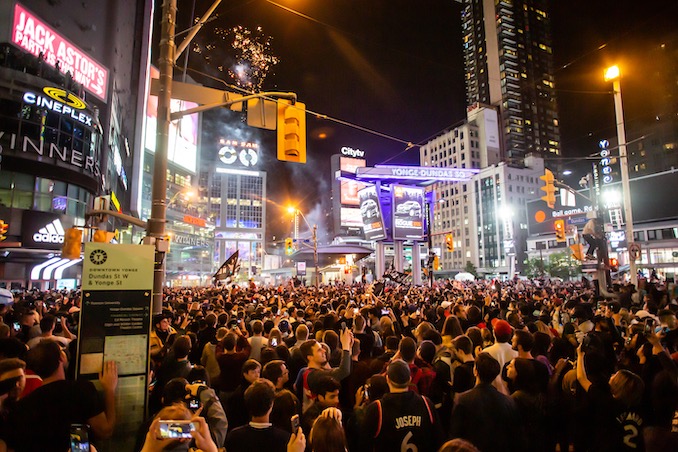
x=436 y=263
x=72 y=244
x=289 y=246
x=102 y=236
x=560 y=230
x=549 y=188
x=577 y=251
x=449 y=242
x=614 y=264
x=291 y=131
x=3 y=230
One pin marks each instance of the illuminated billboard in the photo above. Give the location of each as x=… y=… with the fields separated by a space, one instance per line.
x=408 y=212
x=351 y=217
x=370 y=211
x=33 y=35
x=349 y=188
x=182 y=148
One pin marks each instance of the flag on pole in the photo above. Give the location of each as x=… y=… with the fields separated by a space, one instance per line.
x=229 y=268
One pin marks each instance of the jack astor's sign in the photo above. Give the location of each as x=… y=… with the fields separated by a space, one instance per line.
x=36 y=37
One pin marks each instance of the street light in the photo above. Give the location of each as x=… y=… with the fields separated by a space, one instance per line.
x=613 y=74
x=298 y=213
x=188 y=194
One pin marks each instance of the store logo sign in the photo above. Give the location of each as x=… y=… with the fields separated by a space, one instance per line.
x=60 y=101
x=52 y=232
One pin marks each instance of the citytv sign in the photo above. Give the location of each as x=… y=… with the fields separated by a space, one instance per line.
x=36 y=37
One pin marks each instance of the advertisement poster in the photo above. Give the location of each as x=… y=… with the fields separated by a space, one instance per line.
x=115 y=321
x=370 y=210
x=408 y=213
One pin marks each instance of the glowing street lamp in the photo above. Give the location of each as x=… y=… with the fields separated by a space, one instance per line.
x=613 y=74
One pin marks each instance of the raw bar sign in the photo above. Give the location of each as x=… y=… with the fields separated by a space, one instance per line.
x=33 y=35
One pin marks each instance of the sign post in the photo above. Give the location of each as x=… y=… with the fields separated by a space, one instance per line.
x=115 y=322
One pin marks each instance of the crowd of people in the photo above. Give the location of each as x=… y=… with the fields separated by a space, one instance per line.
x=461 y=366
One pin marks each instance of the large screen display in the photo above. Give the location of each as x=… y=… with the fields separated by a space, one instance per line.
x=408 y=212
x=349 y=188
x=183 y=133
x=370 y=210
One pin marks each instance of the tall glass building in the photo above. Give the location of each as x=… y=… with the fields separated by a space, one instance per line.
x=508 y=62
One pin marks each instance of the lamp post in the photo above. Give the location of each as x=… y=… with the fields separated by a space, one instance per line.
x=614 y=75
x=314 y=229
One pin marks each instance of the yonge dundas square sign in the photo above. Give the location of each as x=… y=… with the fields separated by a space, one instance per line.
x=33 y=35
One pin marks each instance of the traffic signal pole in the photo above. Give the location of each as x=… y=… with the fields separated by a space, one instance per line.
x=157 y=220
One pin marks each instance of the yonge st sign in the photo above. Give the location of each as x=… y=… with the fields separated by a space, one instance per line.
x=36 y=37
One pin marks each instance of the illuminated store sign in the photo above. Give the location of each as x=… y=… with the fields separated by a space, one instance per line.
x=36 y=37
x=42 y=230
x=605 y=161
x=242 y=152
x=422 y=173
x=352 y=152
x=60 y=101
x=53 y=151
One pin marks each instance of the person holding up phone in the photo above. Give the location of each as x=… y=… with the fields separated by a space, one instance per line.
x=58 y=403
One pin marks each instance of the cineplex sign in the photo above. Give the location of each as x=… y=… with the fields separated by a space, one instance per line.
x=36 y=37
x=60 y=101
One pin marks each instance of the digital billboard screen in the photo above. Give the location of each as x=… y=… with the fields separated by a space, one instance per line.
x=408 y=212
x=370 y=210
x=182 y=148
x=349 y=188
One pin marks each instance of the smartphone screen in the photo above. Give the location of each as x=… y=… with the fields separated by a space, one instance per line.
x=295 y=423
x=176 y=429
x=79 y=434
x=274 y=342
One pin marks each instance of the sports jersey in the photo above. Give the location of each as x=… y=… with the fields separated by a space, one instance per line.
x=402 y=422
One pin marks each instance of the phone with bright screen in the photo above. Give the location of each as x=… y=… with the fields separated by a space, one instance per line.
x=175 y=429
x=79 y=435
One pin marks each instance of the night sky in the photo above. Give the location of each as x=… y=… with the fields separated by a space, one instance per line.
x=396 y=67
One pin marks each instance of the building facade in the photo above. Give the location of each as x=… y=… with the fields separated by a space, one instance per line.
x=234 y=193
x=67 y=125
x=508 y=61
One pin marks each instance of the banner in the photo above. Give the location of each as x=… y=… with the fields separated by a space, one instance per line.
x=229 y=268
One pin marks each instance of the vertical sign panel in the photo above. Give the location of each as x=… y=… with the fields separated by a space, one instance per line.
x=408 y=214
x=115 y=322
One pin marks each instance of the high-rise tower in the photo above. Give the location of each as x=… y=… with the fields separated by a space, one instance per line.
x=509 y=64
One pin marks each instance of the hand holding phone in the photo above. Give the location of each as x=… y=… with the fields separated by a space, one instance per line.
x=295 y=423
x=176 y=429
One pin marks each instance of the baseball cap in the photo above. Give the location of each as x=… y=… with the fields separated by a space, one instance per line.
x=398 y=372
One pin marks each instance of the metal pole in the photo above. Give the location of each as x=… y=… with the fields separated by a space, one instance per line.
x=626 y=186
x=430 y=244
x=315 y=252
x=156 y=223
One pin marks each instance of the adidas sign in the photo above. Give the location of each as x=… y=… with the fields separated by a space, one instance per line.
x=52 y=232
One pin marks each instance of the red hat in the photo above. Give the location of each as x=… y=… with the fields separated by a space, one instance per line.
x=501 y=327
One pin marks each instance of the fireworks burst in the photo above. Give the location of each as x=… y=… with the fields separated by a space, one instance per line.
x=249 y=62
